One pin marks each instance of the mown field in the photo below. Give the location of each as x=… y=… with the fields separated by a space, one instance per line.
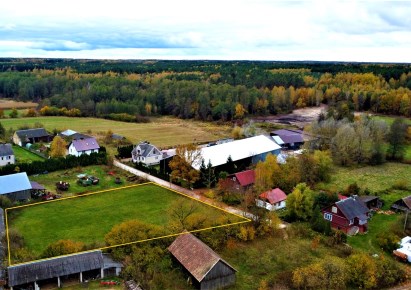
x=162 y=131
x=89 y=218
x=11 y=104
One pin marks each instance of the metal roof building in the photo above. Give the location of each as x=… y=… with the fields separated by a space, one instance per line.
x=16 y=186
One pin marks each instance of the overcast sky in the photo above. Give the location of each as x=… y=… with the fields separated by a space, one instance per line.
x=329 y=30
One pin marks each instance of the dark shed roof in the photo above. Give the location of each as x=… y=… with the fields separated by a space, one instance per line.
x=6 y=150
x=289 y=136
x=32 y=133
x=352 y=207
x=54 y=267
x=195 y=256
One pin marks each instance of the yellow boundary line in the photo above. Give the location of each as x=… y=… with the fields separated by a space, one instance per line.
x=246 y=220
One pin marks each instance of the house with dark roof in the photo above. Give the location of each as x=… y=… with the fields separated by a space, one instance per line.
x=243 y=179
x=349 y=215
x=22 y=137
x=78 y=147
x=6 y=155
x=403 y=204
x=274 y=199
x=70 y=135
x=147 y=154
x=289 y=139
x=55 y=271
x=16 y=186
x=206 y=268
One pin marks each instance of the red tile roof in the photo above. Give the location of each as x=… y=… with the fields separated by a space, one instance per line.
x=245 y=177
x=273 y=196
x=194 y=255
x=341 y=197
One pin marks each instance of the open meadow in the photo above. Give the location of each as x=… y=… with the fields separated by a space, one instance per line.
x=89 y=218
x=162 y=132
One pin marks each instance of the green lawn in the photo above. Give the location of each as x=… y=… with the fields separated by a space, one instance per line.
x=102 y=172
x=89 y=218
x=163 y=131
x=25 y=156
x=390 y=119
x=378 y=224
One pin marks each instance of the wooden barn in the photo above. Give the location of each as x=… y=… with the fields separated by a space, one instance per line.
x=53 y=272
x=207 y=269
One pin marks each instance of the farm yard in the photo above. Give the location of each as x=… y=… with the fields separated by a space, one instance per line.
x=24 y=156
x=161 y=131
x=89 y=218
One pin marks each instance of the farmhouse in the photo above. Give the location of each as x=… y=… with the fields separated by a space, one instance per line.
x=290 y=139
x=274 y=199
x=349 y=215
x=147 y=154
x=56 y=271
x=6 y=154
x=255 y=148
x=206 y=268
x=243 y=179
x=82 y=146
x=15 y=186
x=22 y=137
x=403 y=204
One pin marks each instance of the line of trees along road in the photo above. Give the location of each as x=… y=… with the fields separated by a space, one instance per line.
x=208 y=91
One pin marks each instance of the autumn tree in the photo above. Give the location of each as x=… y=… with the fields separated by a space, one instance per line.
x=62 y=247
x=185 y=215
x=239 y=111
x=14 y=113
x=31 y=113
x=58 y=147
x=267 y=173
x=300 y=202
x=182 y=164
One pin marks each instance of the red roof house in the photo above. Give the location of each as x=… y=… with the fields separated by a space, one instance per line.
x=349 y=215
x=243 y=179
x=272 y=200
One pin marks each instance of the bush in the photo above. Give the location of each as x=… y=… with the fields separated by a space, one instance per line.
x=388 y=241
x=400 y=185
x=5 y=202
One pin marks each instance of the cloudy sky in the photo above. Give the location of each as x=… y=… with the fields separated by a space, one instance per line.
x=376 y=31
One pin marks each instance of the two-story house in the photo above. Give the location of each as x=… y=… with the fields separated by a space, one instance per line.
x=147 y=154
x=6 y=154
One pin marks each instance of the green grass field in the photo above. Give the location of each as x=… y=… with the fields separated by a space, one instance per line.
x=102 y=172
x=390 y=119
x=89 y=218
x=25 y=156
x=163 y=131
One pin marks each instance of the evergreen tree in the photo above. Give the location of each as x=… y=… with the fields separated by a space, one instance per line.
x=397 y=139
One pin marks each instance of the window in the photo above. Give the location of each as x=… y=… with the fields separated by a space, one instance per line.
x=351 y=221
x=334 y=209
x=328 y=216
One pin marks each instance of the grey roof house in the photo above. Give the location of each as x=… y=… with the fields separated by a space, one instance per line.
x=146 y=153
x=16 y=186
x=205 y=266
x=6 y=155
x=88 y=265
x=22 y=137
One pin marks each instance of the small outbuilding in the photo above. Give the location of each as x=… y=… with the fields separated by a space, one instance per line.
x=16 y=186
x=243 y=179
x=22 y=137
x=403 y=204
x=274 y=199
x=206 y=268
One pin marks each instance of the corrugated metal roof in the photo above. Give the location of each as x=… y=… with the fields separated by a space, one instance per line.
x=54 y=267
x=352 y=208
x=194 y=255
x=14 y=182
x=273 y=196
x=239 y=149
x=246 y=177
x=6 y=150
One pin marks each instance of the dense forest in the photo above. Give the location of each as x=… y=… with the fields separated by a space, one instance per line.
x=205 y=90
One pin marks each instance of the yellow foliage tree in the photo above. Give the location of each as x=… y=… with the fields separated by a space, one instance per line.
x=58 y=147
x=182 y=164
x=62 y=247
x=239 y=111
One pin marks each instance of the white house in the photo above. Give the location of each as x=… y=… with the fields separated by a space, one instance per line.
x=147 y=154
x=83 y=146
x=6 y=155
x=274 y=199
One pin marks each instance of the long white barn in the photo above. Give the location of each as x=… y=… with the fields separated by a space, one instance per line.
x=256 y=147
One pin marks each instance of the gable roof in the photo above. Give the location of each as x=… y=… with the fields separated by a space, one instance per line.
x=85 y=144
x=273 y=196
x=238 y=150
x=54 y=267
x=6 y=150
x=407 y=201
x=352 y=207
x=289 y=136
x=145 y=149
x=32 y=133
x=14 y=182
x=195 y=256
x=246 y=177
